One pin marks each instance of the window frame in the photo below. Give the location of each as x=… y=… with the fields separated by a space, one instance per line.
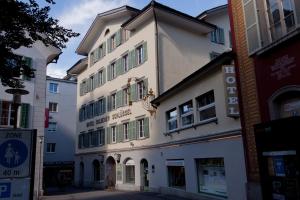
x=10 y=115
x=140 y=90
x=113 y=68
x=125 y=63
x=53 y=129
x=205 y=107
x=139 y=54
x=51 y=89
x=51 y=148
x=141 y=128
x=113 y=134
x=171 y=119
x=189 y=113
x=126 y=131
x=114 y=101
x=50 y=107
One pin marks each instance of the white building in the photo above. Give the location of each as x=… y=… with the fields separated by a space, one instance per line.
x=32 y=111
x=59 y=142
x=132 y=54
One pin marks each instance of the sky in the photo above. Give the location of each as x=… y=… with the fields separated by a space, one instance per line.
x=78 y=15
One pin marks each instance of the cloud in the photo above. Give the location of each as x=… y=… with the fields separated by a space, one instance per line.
x=86 y=10
x=56 y=71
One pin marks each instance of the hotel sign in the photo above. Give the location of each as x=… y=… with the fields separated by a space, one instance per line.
x=121 y=113
x=231 y=94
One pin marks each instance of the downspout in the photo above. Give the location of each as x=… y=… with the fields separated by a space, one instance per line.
x=156 y=51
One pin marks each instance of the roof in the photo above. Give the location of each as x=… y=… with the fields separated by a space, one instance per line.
x=154 y=4
x=212 y=11
x=103 y=16
x=224 y=58
x=78 y=67
x=49 y=78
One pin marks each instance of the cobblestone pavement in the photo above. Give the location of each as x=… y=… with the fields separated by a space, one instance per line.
x=109 y=195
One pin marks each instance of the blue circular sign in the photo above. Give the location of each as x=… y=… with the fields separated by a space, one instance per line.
x=13 y=153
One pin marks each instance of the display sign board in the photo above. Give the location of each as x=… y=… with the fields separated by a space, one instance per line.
x=17 y=150
x=231 y=93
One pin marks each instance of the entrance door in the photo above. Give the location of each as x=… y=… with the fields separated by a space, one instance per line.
x=110 y=172
x=144 y=175
x=81 y=174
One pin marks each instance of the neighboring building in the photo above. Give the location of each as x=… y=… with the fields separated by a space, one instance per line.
x=201 y=149
x=267 y=41
x=221 y=37
x=59 y=142
x=32 y=111
x=132 y=56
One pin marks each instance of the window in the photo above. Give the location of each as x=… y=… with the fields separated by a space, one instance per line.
x=101 y=106
x=211 y=176
x=281 y=14
x=96 y=170
x=125 y=96
x=172 y=119
x=130 y=171
x=125 y=131
x=52 y=126
x=53 y=107
x=50 y=148
x=95 y=138
x=113 y=41
x=206 y=106
x=141 y=128
x=125 y=63
x=140 y=55
x=217 y=36
x=186 y=114
x=113 y=101
x=113 y=70
x=6 y=114
x=92 y=85
x=101 y=77
x=113 y=134
x=53 y=87
x=80 y=141
x=140 y=90
x=176 y=174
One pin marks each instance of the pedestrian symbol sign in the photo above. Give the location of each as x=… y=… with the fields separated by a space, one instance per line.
x=13 y=153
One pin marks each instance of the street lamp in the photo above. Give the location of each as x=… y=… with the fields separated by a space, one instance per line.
x=17 y=93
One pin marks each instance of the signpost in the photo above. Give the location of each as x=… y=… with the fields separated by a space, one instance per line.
x=17 y=158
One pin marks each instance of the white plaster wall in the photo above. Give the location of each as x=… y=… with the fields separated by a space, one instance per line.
x=64 y=137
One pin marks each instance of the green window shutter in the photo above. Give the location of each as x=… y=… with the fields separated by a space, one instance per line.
x=104 y=49
x=96 y=84
x=108 y=135
x=221 y=36
x=104 y=106
x=118 y=37
x=102 y=136
x=145 y=81
x=133 y=58
x=96 y=55
x=108 y=100
x=24 y=115
x=129 y=60
x=108 y=45
x=119 y=98
x=119 y=133
x=146 y=127
x=133 y=95
x=104 y=76
x=80 y=89
x=118 y=69
x=108 y=73
x=132 y=130
x=145 y=56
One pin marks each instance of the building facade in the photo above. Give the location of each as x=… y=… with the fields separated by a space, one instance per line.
x=32 y=111
x=59 y=142
x=132 y=57
x=266 y=36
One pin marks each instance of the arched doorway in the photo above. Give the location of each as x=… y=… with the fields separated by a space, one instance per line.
x=110 y=172
x=144 y=175
x=81 y=174
x=96 y=171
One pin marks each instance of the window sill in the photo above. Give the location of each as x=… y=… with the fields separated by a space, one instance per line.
x=208 y=121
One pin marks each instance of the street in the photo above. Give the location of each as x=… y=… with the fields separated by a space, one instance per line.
x=110 y=195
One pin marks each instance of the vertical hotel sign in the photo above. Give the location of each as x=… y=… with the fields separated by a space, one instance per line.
x=231 y=94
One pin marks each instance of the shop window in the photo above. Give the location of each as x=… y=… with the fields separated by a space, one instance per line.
x=176 y=174
x=130 y=171
x=206 y=106
x=211 y=176
x=186 y=114
x=172 y=119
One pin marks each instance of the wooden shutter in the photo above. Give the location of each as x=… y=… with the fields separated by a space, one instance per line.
x=129 y=60
x=146 y=127
x=104 y=49
x=96 y=82
x=132 y=130
x=108 y=45
x=108 y=73
x=96 y=55
x=80 y=89
x=221 y=36
x=252 y=26
x=120 y=133
x=119 y=98
x=24 y=115
x=118 y=37
x=133 y=92
x=145 y=56
x=108 y=135
x=118 y=67
x=104 y=76
x=108 y=100
x=145 y=82
x=104 y=106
